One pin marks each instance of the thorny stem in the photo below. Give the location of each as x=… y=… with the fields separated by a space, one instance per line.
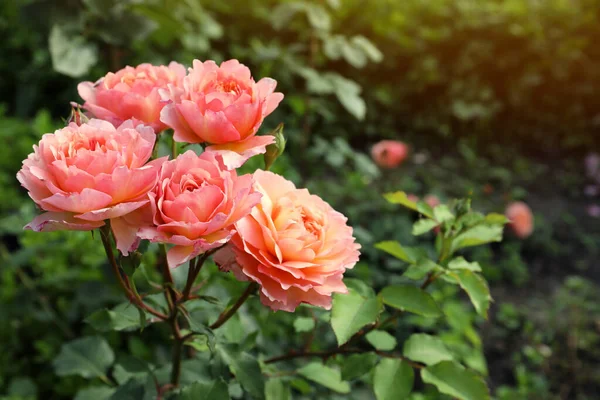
x=225 y=315
x=124 y=280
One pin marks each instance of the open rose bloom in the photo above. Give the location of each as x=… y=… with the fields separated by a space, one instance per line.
x=131 y=93
x=84 y=175
x=222 y=106
x=195 y=205
x=293 y=244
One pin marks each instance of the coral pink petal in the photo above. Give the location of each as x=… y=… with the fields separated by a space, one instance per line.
x=212 y=127
x=55 y=221
x=125 y=235
x=171 y=117
x=112 y=212
x=86 y=91
x=235 y=154
x=178 y=255
x=87 y=200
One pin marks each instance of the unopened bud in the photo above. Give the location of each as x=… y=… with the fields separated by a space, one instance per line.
x=77 y=116
x=274 y=150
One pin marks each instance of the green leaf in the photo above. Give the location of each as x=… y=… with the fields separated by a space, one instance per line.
x=71 y=54
x=420 y=270
x=95 y=393
x=478 y=235
x=131 y=262
x=326 y=376
x=476 y=287
x=461 y=263
x=412 y=299
x=367 y=47
x=408 y=254
x=246 y=370
x=426 y=349
x=495 y=218
x=381 y=340
x=357 y=365
x=348 y=94
x=276 y=389
x=128 y=367
x=89 y=357
x=352 y=311
x=123 y=317
x=318 y=17
x=133 y=389
x=304 y=324
x=393 y=379
x=452 y=379
x=442 y=213
x=423 y=225
x=402 y=199
x=353 y=103
x=214 y=390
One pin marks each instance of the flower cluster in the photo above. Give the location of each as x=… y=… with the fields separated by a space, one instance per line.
x=102 y=171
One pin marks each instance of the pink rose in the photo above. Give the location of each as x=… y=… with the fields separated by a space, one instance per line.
x=223 y=106
x=84 y=175
x=521 y=219
x=131 y=93
x=293 y=244
x=195 y=205
x=389 y=153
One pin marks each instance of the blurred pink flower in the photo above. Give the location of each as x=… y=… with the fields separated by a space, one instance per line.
x=594 y=211
x=195 y=205
x=131 y=93
x=293 y=244
x=222 y=106
x=592 y=165
x=432 y=200
x=84 y=175
x=521 y=219
x=389 y=153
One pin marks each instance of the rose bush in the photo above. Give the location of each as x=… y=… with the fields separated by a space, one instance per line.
x=289 y=244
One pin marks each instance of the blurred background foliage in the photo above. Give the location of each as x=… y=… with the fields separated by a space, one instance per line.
x=498 y=99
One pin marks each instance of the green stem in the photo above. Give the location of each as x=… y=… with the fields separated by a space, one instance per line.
x=177 y=351
x=445 y=250
x=230 y=312
x=193 y=272
x=124 y=280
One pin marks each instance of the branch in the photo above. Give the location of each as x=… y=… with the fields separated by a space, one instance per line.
x=194 y=271
x=225 y=315
x=124 y=281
